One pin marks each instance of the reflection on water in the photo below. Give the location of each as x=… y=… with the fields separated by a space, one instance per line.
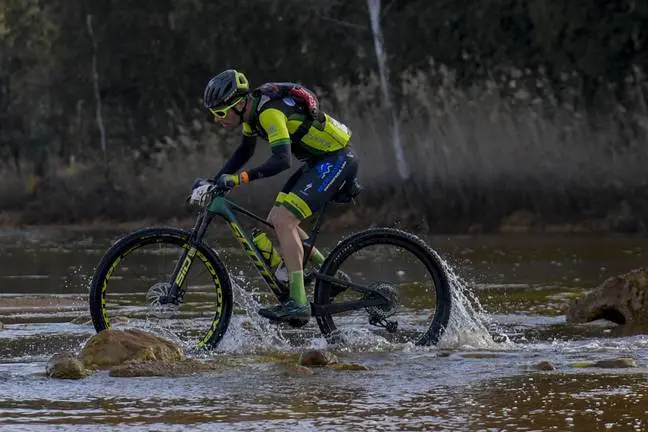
x=469 y=382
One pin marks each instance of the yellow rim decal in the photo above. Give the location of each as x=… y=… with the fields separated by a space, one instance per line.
x=192 y=252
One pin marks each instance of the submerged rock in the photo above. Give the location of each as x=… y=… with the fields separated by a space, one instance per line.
x=621 y=299
x=545 y=365
x=317 y=358
x=159 y=368
x=348 y=366
x=618 y=363
x=112 y=348
x=65 y=365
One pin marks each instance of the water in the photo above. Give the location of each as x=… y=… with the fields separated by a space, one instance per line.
x=511 y=288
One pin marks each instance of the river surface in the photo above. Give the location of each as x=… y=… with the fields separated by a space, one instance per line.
x=511 y=294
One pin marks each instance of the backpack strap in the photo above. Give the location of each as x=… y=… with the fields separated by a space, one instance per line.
x=301 y=95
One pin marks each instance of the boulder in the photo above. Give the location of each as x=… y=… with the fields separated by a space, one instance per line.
x=621 y=299
x=65 y=365
x=112 y=348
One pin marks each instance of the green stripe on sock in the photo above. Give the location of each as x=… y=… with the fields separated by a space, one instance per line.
x=297 y=291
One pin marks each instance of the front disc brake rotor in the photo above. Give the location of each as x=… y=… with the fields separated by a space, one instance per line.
x=158 y=300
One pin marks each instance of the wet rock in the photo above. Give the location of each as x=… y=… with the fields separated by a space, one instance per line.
x=115 y=347
x=521 y=221
x=608 y=364
x=545 y=365
x=1 y=325
x=159 y=368
x=616 y=363
x=621 y=299
x=317 y=358
x=348 y=366
x=297 y=370
x=65 y=365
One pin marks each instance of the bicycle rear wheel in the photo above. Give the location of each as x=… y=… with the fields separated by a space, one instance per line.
x=400 y=266
x=134 y=275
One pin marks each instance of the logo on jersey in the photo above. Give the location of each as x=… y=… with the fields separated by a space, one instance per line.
x=289 y=101
x=306 y=188
x=324 y=169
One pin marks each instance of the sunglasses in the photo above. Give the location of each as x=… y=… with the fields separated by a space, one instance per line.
x=222 y=112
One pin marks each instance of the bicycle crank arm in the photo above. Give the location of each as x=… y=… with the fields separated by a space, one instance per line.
x=346 y=284
x=334 y=308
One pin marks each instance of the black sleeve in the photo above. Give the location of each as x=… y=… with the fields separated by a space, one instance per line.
x=278 y=162
x=241 y=155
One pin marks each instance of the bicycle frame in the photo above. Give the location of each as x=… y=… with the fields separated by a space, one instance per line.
x=221 y=206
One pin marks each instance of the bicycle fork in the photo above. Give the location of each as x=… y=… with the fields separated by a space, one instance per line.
x=177 y=292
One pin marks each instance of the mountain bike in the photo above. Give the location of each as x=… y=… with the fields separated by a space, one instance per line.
x=383 y=280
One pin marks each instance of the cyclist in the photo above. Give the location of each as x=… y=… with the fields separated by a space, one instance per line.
x=285 y=115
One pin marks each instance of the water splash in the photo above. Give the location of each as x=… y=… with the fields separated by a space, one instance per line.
x=470 y=327
x=249 y=332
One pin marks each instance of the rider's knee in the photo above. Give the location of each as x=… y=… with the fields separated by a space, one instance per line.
x=282 y=219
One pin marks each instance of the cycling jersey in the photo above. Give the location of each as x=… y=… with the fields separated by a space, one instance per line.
x=277 y=120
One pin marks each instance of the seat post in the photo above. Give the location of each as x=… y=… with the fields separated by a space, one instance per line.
x=309 y=243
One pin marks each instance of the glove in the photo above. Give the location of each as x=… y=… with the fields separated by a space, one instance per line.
x=229 y=181
x=201 y=191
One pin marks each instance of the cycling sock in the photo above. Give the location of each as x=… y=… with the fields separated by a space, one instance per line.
x=316 y=257
x=297 y=291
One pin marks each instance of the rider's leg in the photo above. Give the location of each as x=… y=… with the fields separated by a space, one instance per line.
x=286 y=227
x=316 y=256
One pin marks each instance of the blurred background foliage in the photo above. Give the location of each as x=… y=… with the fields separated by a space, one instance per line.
x=506 y=105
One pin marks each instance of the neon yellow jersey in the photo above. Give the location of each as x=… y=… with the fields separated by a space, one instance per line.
x=277 y=120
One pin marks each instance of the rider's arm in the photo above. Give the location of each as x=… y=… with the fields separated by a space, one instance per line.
x=241 y=155
x=275 y=124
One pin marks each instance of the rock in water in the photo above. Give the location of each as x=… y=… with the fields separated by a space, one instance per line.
x=65 y=365
x=621 y=299
x=317 y=358
x=115 y=347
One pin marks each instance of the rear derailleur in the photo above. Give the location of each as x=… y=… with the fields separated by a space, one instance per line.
x=378 y=321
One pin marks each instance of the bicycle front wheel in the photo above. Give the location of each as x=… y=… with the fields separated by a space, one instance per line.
x=400 y=267
x=132 y=279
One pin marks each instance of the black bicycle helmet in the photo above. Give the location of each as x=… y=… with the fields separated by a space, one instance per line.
x=224 y=87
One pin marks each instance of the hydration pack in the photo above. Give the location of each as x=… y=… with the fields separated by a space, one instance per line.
x=300 y=94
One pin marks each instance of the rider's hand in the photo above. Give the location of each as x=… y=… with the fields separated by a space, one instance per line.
x=229 y=181
x=200 y=190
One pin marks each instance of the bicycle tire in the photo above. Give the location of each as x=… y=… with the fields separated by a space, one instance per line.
x=171 y=236
x=394 y=237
